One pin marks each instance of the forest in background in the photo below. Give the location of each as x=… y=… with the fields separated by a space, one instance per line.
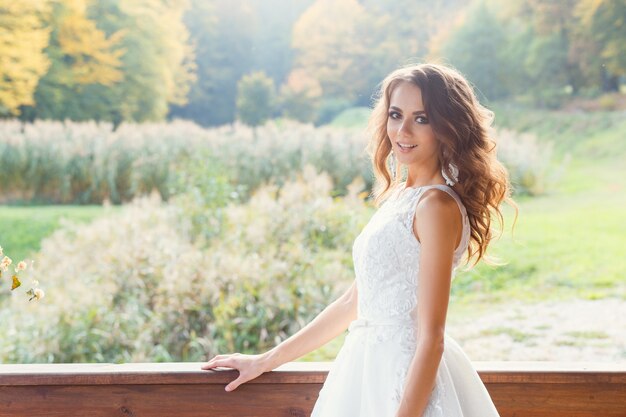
x=215 y=61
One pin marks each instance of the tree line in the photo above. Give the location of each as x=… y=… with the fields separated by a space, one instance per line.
x=214 y=61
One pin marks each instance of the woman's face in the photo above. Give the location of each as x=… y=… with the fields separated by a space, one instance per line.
x=412 y=137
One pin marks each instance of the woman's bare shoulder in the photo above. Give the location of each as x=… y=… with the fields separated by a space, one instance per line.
x=438 y=213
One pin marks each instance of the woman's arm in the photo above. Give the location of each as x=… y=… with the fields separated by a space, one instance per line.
x=440 y=226
x=330 y=323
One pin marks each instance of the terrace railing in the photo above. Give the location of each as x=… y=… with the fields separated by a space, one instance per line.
x=519 y=389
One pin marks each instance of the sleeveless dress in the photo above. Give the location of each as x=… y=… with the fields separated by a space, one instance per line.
x=368 y=375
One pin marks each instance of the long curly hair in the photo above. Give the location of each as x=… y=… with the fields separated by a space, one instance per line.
x=462 y=127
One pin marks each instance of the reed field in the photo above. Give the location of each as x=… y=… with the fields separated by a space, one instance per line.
x=180 y=242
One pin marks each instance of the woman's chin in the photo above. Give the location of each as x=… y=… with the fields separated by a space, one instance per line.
x=402 y=159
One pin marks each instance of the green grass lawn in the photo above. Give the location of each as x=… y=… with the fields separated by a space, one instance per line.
x=23 y=228
x=562 y=247
x=587 y=135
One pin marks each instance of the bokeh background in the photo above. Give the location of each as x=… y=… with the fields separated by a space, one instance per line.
x=188 y=176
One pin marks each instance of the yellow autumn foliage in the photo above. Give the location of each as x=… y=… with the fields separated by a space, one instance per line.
x=95 y=58
x=23 y=37
x=328 y=39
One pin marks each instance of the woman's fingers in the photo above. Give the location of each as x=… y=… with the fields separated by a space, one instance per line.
x=225 y=363
x=249 y=367
x=208 y=365
x=223 y=360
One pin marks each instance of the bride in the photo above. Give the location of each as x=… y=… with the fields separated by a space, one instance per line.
x=397 y=360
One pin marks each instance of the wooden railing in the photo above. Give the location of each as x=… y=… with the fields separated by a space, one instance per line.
x=519 y=389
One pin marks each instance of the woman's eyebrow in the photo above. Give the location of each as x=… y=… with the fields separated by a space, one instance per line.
x=415 y=112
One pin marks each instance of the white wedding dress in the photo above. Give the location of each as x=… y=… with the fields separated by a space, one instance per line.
x=367 y=378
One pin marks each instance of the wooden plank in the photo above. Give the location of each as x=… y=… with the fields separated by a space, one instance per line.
x=512 y=400
x=152 y=373
x=552 y=372
x=519 y=389
x=195 y=400
x=559 y=400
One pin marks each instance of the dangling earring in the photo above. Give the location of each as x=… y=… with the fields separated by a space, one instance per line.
x=392 y=166
x=455 y=174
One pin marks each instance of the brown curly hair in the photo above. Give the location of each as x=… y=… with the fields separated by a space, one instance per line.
x=462 y=126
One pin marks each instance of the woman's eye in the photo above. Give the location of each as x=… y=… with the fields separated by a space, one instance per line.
x=394 y=115
x=421 y=120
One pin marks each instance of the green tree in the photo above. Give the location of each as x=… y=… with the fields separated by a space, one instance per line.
x=546 y=65
x=329 y=46
x=555 y=28
x=557 y=47
x=23 y=37
x=271 y=50
x=222 y=32
x=85 y=65
x=159 y=60
x=255 y=98
x=350 y=45
x=201 y=106
x=603 y=40
x=475 y=48
x=115 y=60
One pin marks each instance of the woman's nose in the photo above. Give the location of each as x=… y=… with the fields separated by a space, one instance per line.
x=404 y=129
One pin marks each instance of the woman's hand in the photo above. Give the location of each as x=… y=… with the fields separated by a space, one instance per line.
x=249 y=367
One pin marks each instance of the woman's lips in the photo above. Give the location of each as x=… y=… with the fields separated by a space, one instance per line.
x=405 y=147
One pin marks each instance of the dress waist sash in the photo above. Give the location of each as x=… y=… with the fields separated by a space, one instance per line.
x=369 y=323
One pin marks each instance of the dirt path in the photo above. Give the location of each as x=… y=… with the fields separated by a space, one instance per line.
x=573 y=330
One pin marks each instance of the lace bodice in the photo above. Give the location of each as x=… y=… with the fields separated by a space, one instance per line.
x=386 y=264
x=386 y=257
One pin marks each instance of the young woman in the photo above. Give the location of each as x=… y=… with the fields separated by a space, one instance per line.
x=397 y=360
